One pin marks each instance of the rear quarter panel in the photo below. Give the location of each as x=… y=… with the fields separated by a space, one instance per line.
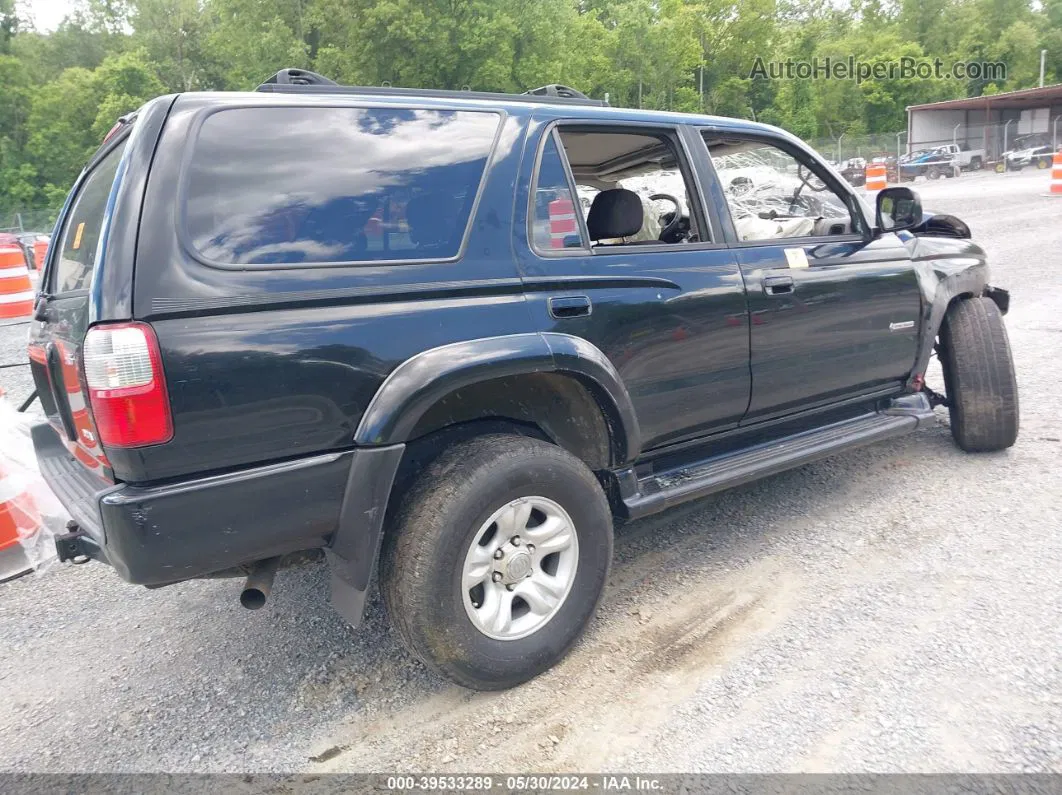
x=268 y=364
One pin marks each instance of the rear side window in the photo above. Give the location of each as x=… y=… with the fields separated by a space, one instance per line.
x=554 y=223
x=286 y=186
x=83 y=225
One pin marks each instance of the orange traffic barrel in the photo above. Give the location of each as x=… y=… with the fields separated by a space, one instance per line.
x=19 y=518
x=876 y=179
x=16 y=292
x=40 y=251
x=1056 y=175
x=561 y=221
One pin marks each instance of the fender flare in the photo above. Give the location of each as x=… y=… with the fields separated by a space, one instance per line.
x=939 y=289
x=422 y=380
x=413 y=388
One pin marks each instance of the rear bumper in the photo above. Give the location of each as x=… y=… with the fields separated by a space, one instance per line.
x=162 y=534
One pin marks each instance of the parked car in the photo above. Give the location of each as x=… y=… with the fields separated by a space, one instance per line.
x=33 y=244
x=855 y=171
x=933 y=164
x=1027 y=150
x=26 y=249
x=378 y=324
x=968 y=159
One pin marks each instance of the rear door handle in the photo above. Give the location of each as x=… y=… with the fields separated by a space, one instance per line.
x=569 y=306
x=778 y=285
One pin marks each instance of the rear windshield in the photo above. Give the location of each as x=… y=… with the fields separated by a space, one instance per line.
x=82 y=226
x=279 y=186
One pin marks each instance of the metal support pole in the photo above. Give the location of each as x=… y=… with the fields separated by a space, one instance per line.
x=839 y=137
x=1043 y=55
x=1005 y=129
x=955 y=135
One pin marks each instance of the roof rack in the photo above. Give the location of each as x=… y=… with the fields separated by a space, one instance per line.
x=303 y=81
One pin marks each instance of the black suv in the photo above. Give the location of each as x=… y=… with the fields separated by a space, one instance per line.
x=447 y=338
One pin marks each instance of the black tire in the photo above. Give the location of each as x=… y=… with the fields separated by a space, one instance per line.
x=439 y=519
x=979 y=376
x=975 y=164
x=1043 y=163
x=933 y=174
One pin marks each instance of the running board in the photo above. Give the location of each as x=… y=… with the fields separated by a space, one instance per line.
x=663 y=490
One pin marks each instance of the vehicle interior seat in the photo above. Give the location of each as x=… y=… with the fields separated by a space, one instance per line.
x=615 y=215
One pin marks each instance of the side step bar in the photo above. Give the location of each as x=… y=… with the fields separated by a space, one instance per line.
x=662 y=490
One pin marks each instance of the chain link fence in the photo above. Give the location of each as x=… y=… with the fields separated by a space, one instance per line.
x=866 y=147
x=986 y=142
x=19 y=221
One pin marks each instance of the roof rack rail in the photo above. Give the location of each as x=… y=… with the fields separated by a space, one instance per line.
x=302 y=81
x=298 y=77
x=557 y=90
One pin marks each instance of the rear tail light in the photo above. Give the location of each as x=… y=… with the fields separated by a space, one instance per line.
x=126 y=388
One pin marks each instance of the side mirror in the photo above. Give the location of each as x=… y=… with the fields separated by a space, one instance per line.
x=898 y=209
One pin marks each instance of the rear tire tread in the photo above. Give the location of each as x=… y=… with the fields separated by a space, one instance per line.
x=421 y=530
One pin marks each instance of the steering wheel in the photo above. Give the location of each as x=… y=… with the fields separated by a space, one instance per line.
x=676 y=220
x=810 y=179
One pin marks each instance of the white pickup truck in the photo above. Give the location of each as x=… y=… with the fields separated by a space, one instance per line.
x=968 y=159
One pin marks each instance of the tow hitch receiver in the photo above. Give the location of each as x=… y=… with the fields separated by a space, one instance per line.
x=69 y=546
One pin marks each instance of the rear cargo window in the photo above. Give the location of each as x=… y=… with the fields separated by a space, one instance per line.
x=83 y=225
x=279 y=186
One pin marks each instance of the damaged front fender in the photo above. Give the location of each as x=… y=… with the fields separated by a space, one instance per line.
x=948 y=268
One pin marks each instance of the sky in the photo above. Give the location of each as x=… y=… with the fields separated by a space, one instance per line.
x=47 y=14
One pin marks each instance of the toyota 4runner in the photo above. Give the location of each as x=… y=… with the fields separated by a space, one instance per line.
x=448 y=338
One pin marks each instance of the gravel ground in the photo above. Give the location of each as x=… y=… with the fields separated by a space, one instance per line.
x=893 y=609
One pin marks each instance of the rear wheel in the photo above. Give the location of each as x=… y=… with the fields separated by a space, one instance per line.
x=1001 y=167
x=975 y=164
x=933 y=174
x=496 y=560
x=982 y=392
x=1043 y=162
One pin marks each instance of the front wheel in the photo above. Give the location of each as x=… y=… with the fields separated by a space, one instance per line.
x=982 y=392
x=495 y=563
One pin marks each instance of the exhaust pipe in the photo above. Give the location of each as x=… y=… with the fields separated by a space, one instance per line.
x=259 y=583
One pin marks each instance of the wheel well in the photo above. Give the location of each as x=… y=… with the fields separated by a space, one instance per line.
x=551 y=406
x=954 y=300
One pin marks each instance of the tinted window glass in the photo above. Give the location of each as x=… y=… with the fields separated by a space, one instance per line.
x=554 y=224
x=312 y=185
x=82 y=226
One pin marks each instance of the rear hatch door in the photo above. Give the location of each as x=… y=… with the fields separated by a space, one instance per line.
x=62 y=312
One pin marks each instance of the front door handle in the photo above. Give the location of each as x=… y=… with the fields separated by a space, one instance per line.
x=778 y=285
x=569 y=306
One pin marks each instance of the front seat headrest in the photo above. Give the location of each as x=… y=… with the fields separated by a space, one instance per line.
x=430 y=219
x=614 y=213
